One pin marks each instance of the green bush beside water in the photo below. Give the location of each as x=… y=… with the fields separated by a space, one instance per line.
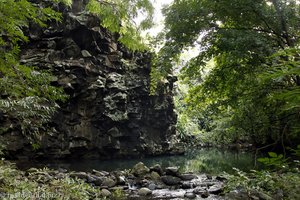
x=18 y=185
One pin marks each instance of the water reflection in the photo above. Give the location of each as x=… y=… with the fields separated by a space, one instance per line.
x=211 y=161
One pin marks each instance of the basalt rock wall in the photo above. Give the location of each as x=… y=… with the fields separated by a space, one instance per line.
x=109 y=113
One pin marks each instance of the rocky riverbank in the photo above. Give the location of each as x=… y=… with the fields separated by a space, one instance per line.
x=140 y=182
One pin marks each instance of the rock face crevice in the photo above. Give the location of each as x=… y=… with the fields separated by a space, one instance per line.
x=109 y=113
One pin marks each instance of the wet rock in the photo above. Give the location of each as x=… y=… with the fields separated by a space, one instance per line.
x=85 y=54
x=144 y=191
x=201 y=191
x=205 y=194
x=140 y=169
x=96 y=180
x=121 y=180
x=215 y=189
x=152 y=186
x=100 y=173
x=80 y=175
x=105 y=193
x=172 y=171
x=157 y=168
x=187 y=185
x=168 y=194
x=187 y=177
x=190 y=195
x=108 y=182
x=170 y=180
x=154 y=176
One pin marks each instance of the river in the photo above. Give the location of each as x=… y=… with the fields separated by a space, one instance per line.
x=207 y=160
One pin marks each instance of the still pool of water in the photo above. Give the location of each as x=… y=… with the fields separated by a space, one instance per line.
x=212 y=161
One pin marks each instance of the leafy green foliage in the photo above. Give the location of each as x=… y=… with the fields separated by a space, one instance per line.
x=27 y=98
x=118 y=16
x=14 y=185
x=296 y=151
x=251 y=91
x=186 y=125
x=265 y=182
x=118 y=194
x=274 y=160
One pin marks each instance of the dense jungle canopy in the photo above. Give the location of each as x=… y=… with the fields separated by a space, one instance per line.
x=244 y=82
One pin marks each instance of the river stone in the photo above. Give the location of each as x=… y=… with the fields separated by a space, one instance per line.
x=140 y=169
x=152 y=186
x=105 y=193
x=190 y=195
x=144 y=191
x=85 y=54
x=154 y=175
x=173 y=171
x=187 y=177
x=205 y=194
x=215 y=189
x=170 y=180
x=108 y=182
x=100 y=173
x=201 y=191
x=97 y=180
x=80 y=175
x=157 y=168
x=187 y=185
x=121 y=180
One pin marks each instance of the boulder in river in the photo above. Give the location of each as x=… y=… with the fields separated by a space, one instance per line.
x=140 y=169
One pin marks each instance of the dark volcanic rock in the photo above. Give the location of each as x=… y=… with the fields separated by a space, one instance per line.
x=109 y=113
x=170 y=180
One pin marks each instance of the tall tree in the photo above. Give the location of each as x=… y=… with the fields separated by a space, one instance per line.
x=121 y=17
x=251 y=91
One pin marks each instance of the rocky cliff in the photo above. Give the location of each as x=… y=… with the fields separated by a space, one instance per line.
x=109 y=113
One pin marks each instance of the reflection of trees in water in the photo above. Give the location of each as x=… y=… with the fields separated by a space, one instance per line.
x=216 y=161
x=203 y=161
